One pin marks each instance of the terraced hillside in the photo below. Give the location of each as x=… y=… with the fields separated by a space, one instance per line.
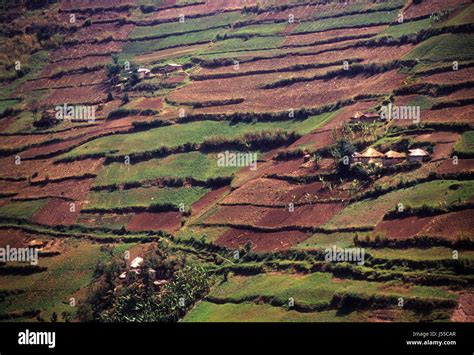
x=134 y=203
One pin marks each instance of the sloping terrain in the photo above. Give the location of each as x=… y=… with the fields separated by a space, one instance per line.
x=175 y=86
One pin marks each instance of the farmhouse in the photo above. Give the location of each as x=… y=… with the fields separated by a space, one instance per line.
x=392 y=158
x=171 y=67
x=144 y=73
x=417 y=155
x=356 y=157
x=365 y=117
x=371 y=155
x=137 y=262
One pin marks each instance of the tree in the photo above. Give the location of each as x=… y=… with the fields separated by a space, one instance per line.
x=54 y=317
x=125 y=98
x=342 y=152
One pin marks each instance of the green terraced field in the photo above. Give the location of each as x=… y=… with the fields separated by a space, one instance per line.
x=384 y=17
x=194 y=132
x=434 y=193
x=145 y=197
x=444 y=48
x=196 y=165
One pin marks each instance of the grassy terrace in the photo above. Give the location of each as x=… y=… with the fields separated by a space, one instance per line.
x=250 y=312
x=149 y=46
x=197 y=165
x=240 y=45
x=405 y=28
x=347 y=21
x=445 y=47
x=465 y=145
x=195 y=132
x=22 y=209
x=314 y=289
x=144 y=197
x=369 y=212
x=50 y=291
x=193 y=24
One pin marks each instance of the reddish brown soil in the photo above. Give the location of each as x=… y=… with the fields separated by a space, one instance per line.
x=449 y=77
x=261 y=242
x=154 y=103
x=57 y=212
x=74 y=64
x=402 y=228
x=209 y=199
x=463 y=165
x=92 y=94
x=68 y=189
x=442 y=151
x=82 y=50
x=90 y=78
x=437 y=137
x=324 y=36
x=169 y=53
x=14 y=238
x=430 y=7
x=380 y=54
x=305 y=215
x=306 y=94
x=272 y=192
x=64 y=170
x=451 y=225
x=68 y=5
x=102 y=30
x=465 y=309
x=165 y=221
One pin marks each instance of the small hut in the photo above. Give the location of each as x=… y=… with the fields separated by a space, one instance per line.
x=365 y=117
x=417 y=155
x=371 y=155
x=392 y=158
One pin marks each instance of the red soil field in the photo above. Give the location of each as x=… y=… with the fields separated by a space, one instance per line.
x=449 y=77
x=165 y=221
x=209 y=199
x=57 y=212
x=312 y=55
x=301 y=39
x=401 y=228
x=438 y=137
x=452 y=225
x=305 y=94
x=261 y=242
x=74 y=64
x=169 y=53
x=305 y=215
x=69 y=189
x=15 y=238
x=451 y=114
x=81 y=50
x=75 y=168
x=442 y=151
x=448 y=167
x=211 y=6
x=278 y=193
x=95 y=77
x=430 y=7
x=155 y=103
x=465 y=309
x=68 y=5
x=93 y=94
x=102 y=30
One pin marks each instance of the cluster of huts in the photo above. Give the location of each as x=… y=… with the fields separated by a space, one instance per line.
x=145 y=73
x=392 y=157
x=136 y=267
